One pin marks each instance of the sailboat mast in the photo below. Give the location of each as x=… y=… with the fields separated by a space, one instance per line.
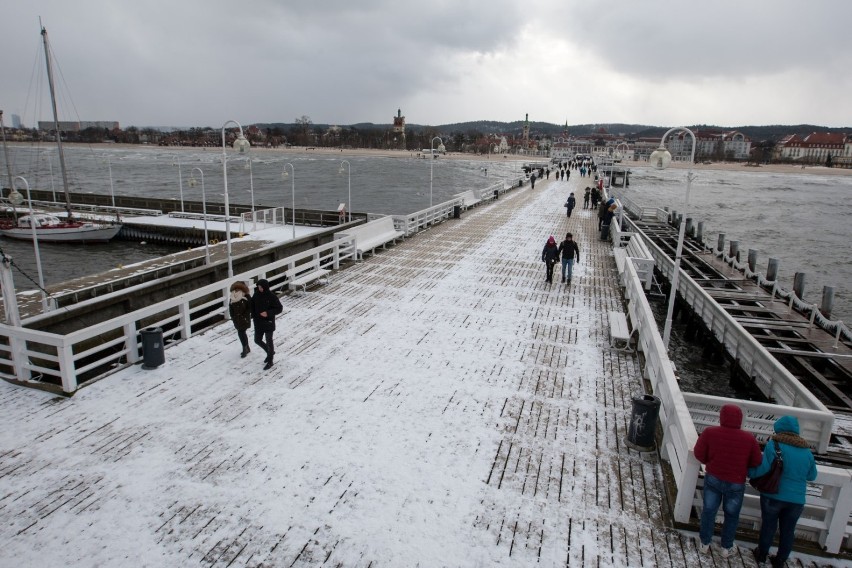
x=6 y=152
x=56 y=121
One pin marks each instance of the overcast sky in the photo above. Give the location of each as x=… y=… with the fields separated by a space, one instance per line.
x=657 y=62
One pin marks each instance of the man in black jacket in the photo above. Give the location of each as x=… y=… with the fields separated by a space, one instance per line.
x=567 y=250
x=265 y=305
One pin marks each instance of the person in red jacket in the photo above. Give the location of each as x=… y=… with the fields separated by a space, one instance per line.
x=727 y=452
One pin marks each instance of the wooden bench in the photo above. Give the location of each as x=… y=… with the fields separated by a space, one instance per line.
x=618 y=331
x=470 y=198
x=303 y=274
x=639 y=254
x=372 y=235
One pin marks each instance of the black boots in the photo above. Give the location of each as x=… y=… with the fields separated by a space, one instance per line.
x=245 y=352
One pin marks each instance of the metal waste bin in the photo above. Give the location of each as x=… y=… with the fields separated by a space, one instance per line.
x=496 y=194
x=643 y=423
x=153 y=353
x=604 y=231
x=456 y=211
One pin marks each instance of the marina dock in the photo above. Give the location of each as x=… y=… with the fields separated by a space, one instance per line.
x=437 y=404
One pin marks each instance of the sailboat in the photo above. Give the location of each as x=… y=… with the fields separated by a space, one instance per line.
x=50 y=227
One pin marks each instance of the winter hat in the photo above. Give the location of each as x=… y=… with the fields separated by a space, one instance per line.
x=551 y=240
x=787 y=424
x=241 y=286
x=264 y=283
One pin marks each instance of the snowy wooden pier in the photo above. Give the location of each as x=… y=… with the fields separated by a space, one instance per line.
x=437 y=404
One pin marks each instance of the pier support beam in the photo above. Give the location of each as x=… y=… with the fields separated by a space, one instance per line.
x=827 y=301
x=799 y=285
x=772 y=269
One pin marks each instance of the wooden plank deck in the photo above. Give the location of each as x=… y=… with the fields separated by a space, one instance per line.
x=515 y=412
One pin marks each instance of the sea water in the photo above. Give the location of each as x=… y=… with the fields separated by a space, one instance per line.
x=800 y=219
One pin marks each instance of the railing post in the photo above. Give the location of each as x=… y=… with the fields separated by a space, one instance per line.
x=839 y=517
x=185 y=320
x=686 y=489
x=130 y=343
x=66 y=367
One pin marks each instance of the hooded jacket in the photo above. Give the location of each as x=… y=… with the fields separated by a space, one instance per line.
x=264 y=302
x=550 y=252
x=727 y=450
x=240 y=306
x=799 y=465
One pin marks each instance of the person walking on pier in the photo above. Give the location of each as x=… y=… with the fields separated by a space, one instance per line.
x=265 y=305
x=727 y=451
x=549 y=256
x=567 y=249
x=783 y=509
x=570 y=203
x=586 y=197
x=240 y=310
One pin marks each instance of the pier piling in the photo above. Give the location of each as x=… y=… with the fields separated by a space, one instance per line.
x=720 y=245
x=799 y=285
x=734 y=250
x=699 y=232
x=772 y=269
x=752 y=260
x=827 y=301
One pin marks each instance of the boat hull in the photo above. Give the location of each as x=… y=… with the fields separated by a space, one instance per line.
x=86 y=234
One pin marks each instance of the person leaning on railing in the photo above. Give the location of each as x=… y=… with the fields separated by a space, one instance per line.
x=781 y=510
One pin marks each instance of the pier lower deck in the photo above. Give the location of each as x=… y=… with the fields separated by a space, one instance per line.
x=438 y=404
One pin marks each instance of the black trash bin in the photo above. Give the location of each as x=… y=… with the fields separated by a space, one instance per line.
x=643 y=423
x=153 y=353
x=604 y=231
x=456 y=211
x=496 y=194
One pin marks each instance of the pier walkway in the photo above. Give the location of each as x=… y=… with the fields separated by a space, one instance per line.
x=438 y=404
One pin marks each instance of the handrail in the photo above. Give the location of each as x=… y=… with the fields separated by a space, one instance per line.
x=768 y=374
x=829 y=500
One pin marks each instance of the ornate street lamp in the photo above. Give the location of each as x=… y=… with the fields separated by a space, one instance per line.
x=192 y=183
x=16 y=199
x=660 y=159
x=284 y=175
x=441 y=148
x=241 y=145
x=349 y=175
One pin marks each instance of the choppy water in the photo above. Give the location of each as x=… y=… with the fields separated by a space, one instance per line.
x=802 y=219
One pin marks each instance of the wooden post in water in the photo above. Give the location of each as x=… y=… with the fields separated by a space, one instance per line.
x=699 y=232
x=752 y=260
x=689 y=227
x=799 y=285
x=720 y=246
x=772 y=269
x=734 y=250
x=827 y=301
x=673 y=217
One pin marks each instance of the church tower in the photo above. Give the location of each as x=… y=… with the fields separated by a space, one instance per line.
x=399 y=129
x=526 y=137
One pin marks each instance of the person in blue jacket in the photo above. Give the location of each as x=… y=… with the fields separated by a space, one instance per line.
x=781 y=510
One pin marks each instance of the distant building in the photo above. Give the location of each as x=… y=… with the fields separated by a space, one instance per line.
x=77 y=126
x=815 y=148
x=399 y=128
x=16 y=121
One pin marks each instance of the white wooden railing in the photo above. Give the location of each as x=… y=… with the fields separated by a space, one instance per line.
x=115 y=343
x=826 y=519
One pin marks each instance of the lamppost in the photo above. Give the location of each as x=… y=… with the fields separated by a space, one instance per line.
x=285 y=175
x=248 y=166
x=660 y=159
x=180 y=183
x=192 y=183
x=16 y=198
x=349 y=175
x=241 y=145
x=441 y=148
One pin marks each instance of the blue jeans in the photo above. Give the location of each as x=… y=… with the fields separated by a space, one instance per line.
x=730 y=496
x=567 y=268
x=772 y=514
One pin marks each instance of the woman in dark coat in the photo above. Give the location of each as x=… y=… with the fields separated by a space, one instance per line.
x=549 y=256
x=265 y=305
x=240 y=310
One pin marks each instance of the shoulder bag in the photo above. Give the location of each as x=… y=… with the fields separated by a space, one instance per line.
x=768 y=483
